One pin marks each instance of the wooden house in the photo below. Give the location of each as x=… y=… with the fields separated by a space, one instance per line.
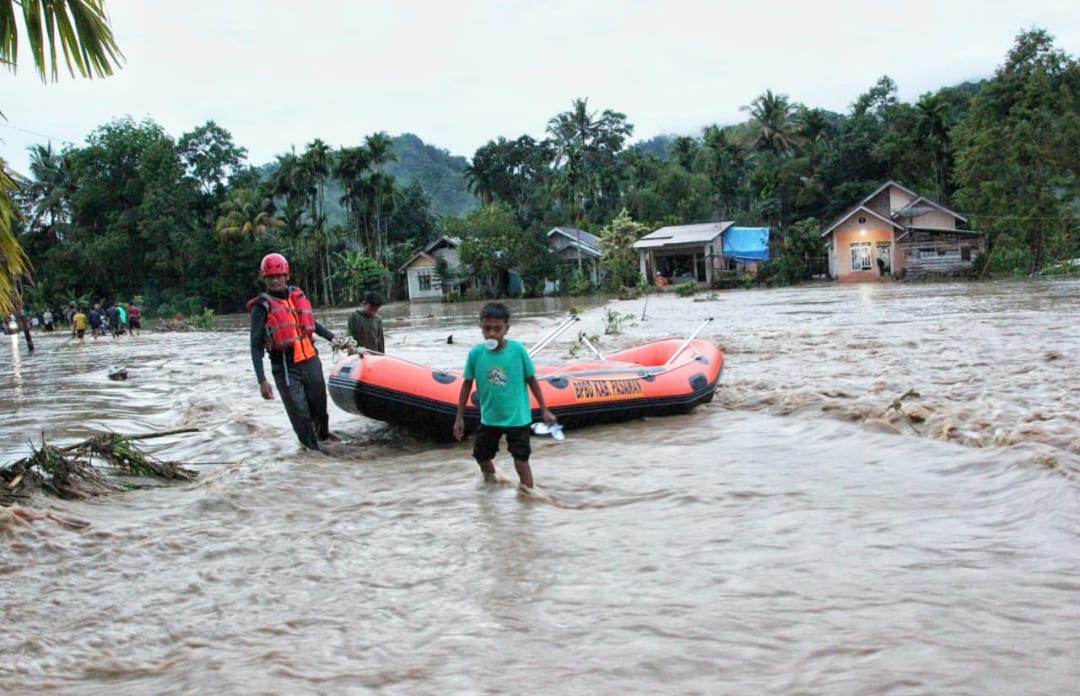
x=577 y=250
x=423 y=279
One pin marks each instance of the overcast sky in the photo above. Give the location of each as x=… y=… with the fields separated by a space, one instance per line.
x=457 y=73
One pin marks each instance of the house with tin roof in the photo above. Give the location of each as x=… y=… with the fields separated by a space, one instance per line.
x=576 y=250
x=897 y=233
x=423 y=280
x=701 y=253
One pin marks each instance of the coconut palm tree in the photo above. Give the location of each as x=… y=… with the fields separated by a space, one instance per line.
x=79 y=28
x=13 y=261
x=81 y=32
x=774 y=123
x=585 y=146
x=50 y=189
x=247 y=212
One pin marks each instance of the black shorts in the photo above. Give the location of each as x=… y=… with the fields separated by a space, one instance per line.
x=486 y=445
x=134 y=324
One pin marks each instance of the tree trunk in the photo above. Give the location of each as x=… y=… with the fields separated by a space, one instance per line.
x=329 y=279
x=26 y=333
x=24 y=322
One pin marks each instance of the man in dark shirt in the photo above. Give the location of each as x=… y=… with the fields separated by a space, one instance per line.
x=97 y=320
x=278 y=318
x=365 y=326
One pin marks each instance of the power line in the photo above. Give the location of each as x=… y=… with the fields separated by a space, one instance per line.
x=1020 y=217
x=65 y=141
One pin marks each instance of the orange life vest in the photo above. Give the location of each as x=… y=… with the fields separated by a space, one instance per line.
x=290 y=323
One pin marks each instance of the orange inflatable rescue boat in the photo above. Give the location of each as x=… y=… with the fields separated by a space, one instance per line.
x=660 y=378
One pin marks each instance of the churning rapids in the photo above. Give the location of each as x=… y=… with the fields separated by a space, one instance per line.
x=809 y=531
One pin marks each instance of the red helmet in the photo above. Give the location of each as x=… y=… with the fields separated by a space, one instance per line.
x=274 y=264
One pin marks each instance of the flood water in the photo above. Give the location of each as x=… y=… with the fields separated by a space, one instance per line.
x=808 y=532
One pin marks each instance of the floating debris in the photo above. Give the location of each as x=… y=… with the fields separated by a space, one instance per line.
x=179 y=323
x=71 y=472
x=118 y=373
x=898 y=406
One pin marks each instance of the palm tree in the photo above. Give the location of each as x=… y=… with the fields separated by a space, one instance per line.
x=80 y=29
x=13 y=261
x=723 y=161
x=247 y=212
x=683 y=149
x=774 y=122
x=291 y=182
x=585 y=146
x=572 y=131
x=317 y=161
x=50 y=189
x=350 y=164
x=934 y=120
x=480 y=174
x=815 y=130
x=380 y=189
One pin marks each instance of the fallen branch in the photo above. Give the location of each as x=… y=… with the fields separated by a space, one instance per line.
x=70 y=472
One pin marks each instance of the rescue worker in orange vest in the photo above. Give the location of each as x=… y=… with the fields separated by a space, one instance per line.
x=283 y=325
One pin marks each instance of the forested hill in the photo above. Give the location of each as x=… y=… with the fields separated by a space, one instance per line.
x=439 y=172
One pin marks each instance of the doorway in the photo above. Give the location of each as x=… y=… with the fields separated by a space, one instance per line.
x=884 y=258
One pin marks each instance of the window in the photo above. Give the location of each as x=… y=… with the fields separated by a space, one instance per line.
x=424 y=280
x=861 y=256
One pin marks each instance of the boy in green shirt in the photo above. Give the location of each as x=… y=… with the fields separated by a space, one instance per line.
x=502 y=369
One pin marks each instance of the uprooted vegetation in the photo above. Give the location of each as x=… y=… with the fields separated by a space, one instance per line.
x=104 y=464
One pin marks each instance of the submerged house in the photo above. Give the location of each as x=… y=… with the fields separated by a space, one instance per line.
x=421 y=271
x=702 y=253
x=576 y=250
x=899 y=233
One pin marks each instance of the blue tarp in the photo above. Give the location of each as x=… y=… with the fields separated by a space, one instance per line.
x=746 y=243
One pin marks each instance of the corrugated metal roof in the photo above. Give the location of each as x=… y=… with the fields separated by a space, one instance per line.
x=585 y=239
x=681 y=235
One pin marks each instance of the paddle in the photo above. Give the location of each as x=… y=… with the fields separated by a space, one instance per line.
x=687 y=341
x=552 y=335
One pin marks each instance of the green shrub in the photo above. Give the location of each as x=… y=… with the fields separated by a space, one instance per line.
x=1005 y=260
x=205 y=320
x=614 y=321
x=579 y=284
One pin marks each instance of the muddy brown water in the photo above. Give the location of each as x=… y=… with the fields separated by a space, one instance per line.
x=809 y=531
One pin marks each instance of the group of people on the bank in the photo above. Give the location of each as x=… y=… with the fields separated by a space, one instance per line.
x=115 y=320
x=44 y=320
x=283 y=326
